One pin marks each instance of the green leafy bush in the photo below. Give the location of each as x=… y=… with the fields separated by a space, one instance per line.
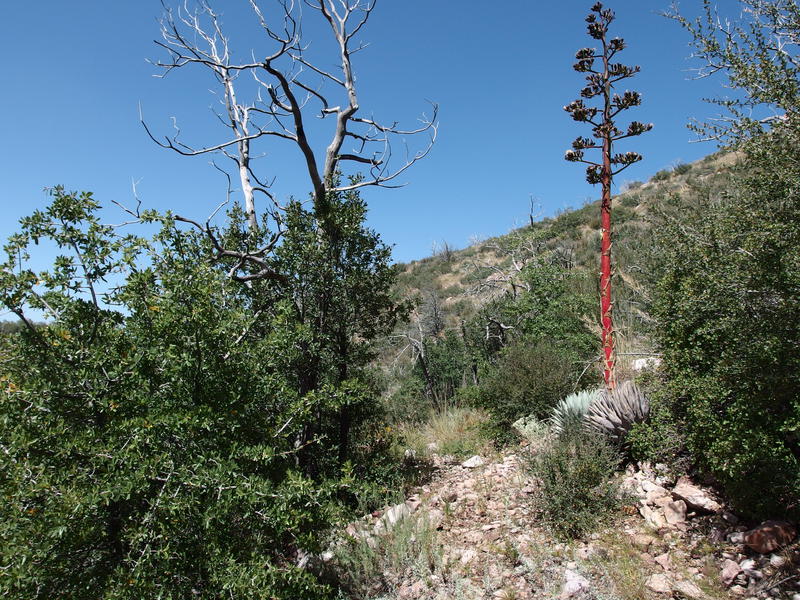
x=528 y=379
x=728 y=313
x=158 y=441
x=576 y=492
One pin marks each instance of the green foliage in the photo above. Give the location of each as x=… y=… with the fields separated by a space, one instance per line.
x=571 y=411
x=760 y=68
x=662 y=175
x=576 y=493
x=662 y=438
x=729 y=326
x=681 y=169
x=528 y=378
x=160 y=438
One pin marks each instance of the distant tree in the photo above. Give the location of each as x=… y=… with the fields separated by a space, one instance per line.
x=600 y=84
x=759 y=56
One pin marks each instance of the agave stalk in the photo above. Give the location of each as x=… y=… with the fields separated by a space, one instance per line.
x=600 y=83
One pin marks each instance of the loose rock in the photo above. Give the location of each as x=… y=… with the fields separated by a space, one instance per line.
x=730 y=569
x=769 y=536
x=695 y=497
x=474 y=462
x=659 y=583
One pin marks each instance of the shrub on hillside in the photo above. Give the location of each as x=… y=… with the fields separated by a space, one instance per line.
x=529 y=378
x=728 y=314
x=576 y=490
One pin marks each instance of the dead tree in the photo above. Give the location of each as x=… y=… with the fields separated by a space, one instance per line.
x=290 y=96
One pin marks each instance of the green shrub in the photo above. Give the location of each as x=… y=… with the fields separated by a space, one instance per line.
x=576 y=492
x=681 y=169
x=662 y=438
x=729 y=326
x=526 y=380
x=662 y=175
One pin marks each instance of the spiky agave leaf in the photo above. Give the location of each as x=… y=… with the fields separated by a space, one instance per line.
x=572 y=410
x=615 y=412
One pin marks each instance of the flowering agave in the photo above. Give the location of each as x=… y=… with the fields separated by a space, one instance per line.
x=600 y=80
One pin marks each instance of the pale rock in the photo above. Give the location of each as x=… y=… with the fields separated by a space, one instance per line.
x=468 y=556
x=747 y=564
x=640 y=364
x=695 y=497
x=738 y=590
x=643 y=541
x=777 y=561
x=474 y=462
x=434 y=518
x=675 y=512
x=659 y=583
x=664 y=561
x=656 y=497
x=653 y=518
x=689 y=590
x=574 y=584
x=730 y=569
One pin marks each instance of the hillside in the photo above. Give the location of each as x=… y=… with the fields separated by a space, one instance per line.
x=454 y=284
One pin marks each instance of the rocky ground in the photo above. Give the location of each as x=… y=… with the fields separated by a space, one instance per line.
x=473 y=533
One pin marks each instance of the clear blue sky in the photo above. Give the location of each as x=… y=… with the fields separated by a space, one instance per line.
x=501 y=72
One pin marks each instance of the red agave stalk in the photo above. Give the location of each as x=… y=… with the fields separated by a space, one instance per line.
x=600 y=84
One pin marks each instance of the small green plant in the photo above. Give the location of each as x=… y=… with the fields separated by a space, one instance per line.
x=367 y=567
x=571 y=411
x=576 y=492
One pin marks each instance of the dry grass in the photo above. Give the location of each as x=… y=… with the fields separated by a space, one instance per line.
x=455 y=431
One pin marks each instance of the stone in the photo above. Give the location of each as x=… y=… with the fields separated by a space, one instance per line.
x=730 y=569
x=695 y=497
x=659 y=583
x=574 y=584
x=777 y=561
x=649 y=486
x=642 y=541
x=675 y=512
x=769 y=536
x=656 y=497
x=640 y=364
x=738 y=590
x=474 y=462
x=653 y=518
x=689 y=590
x=468 y=556
x=664 y=561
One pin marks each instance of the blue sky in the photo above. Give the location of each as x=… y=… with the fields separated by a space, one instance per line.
x=500 y=72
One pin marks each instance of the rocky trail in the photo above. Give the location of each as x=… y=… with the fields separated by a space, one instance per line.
x=473 y=533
